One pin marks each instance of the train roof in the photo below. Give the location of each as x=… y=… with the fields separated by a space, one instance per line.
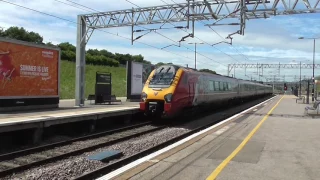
x=195 y=70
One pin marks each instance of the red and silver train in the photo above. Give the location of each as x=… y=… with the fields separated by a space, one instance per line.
x=171 y=89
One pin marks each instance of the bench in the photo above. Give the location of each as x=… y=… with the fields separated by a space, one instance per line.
x=312 y=109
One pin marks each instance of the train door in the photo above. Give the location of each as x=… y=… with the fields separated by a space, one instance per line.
x=191 y=92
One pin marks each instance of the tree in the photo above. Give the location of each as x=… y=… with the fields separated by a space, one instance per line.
x=22 y=34
x=50 y=44
x=68 y=51
x=208 y=71
x=66 y=46
x=161 y=63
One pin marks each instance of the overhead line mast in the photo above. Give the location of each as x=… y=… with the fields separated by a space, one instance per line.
x=190 y=11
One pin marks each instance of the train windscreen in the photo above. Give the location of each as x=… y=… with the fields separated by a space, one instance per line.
x=163 y=77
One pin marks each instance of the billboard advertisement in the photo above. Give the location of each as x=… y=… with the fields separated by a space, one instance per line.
x=28 y=71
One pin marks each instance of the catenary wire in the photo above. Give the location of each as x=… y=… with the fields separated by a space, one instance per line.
x=158 y=33
x=236 y=49
x=97 y=29
x=93 y=10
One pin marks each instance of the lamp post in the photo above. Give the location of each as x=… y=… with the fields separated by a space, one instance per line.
x=195 y=54
x=314 y=55
x=300 y=82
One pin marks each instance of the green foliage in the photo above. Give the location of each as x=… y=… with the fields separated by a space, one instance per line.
x=161 y=63
x=68 y=55
x=208 y=71
x=65 y=46
x=22 y=34
x=68 y=51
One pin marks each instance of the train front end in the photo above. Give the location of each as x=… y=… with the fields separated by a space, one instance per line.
x=157 y=97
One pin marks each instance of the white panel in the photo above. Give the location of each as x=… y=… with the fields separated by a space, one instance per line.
x=136 y=78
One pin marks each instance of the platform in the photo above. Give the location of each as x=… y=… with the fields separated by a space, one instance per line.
x=66 y=113
x=271 y=141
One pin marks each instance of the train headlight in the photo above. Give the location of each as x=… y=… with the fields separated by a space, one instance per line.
x=144 y=96
x=168 y=97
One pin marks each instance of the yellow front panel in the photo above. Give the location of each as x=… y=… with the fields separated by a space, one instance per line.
x=159 y=93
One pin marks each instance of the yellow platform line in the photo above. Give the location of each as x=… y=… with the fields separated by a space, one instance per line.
x=224 y=163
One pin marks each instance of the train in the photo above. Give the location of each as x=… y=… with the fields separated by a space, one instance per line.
x=172 y=90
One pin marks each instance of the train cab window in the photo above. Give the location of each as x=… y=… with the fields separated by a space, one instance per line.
x=216 y=86
x=163 y=77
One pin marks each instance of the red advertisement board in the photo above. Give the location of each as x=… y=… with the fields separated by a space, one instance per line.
x=28 y=71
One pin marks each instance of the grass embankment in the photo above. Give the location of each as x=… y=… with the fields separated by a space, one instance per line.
x=67 y=86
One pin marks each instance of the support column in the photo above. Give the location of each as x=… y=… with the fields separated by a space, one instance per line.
x=80 y=62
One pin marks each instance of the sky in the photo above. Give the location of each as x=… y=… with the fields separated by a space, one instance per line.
x=265 y=41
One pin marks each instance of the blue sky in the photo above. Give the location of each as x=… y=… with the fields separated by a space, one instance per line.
x=271 y=40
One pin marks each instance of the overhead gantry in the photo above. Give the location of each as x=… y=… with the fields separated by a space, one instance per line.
x=213 y=11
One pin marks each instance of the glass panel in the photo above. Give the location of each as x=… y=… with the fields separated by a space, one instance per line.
x=163 y=76
x=216 y=86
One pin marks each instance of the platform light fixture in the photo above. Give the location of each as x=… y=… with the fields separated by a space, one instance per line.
x=314 y=54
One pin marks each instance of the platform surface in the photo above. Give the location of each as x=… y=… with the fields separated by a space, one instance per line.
x=285 y=146
x=65 y=111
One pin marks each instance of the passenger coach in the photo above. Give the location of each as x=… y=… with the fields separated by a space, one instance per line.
x=171 y=89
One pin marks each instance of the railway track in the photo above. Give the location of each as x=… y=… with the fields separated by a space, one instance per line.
x=121 y=162
x=22 y=160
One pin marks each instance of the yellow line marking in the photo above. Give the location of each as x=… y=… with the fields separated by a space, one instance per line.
x=224 y=163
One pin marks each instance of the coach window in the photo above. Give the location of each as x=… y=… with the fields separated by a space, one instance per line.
x=211 y=85
x=221 y=86
x=225 y=86
x=216 y=86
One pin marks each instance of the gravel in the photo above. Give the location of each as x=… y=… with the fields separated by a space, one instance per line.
x=79 y=145
x=77 y=165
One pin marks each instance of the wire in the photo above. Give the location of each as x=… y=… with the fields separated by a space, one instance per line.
x=37 y=11
x=154 y=31
x=71 y=5
x=96 y=29
x=218 y=35
x=203 y=40
x=199 y=39
x=170 y=38
x=82 y=5
x=223 y=39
